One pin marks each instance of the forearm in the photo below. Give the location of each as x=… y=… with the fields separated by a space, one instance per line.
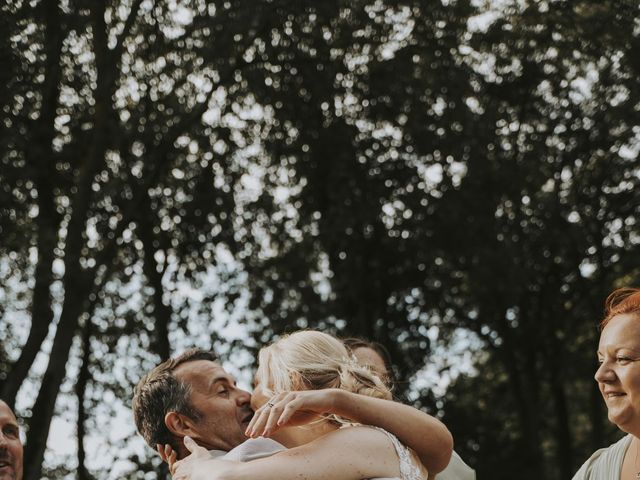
x=347 y=454
x=426 y=435
x=290 y=467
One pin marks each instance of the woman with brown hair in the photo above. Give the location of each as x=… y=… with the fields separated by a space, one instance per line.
x=375 y=356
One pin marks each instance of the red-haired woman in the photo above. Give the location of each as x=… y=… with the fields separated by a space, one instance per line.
x=619 y=381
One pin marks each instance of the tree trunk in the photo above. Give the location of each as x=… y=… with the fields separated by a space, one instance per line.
x=77 y=284
x=81 y=386
x=564 y=450
x=46 y=222
x=523 y=390
x=48 y=394
x=162 y=312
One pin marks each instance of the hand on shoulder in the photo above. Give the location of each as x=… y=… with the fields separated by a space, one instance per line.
x=292 y=409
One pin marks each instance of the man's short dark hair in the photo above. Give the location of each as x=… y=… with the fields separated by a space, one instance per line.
x=160 y=392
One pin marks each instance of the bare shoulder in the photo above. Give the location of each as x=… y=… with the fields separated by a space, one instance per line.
x=365 y=437
x=350 y=453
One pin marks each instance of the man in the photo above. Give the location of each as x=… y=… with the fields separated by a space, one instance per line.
x=10 y=445
x=192 y=395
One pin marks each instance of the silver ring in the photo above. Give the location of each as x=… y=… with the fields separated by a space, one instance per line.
x=270 y=404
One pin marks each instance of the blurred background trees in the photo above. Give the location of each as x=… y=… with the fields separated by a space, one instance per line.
x=456 y=180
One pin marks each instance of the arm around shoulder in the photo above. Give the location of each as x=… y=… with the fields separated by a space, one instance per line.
x=424 y=434
x=351 y=453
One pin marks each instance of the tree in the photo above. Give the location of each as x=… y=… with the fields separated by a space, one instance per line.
x=97 y=149
x=412 y=173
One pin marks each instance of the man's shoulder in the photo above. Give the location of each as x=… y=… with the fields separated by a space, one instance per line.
x=254 y=448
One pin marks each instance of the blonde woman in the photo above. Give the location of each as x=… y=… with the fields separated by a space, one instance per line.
x=301 y=383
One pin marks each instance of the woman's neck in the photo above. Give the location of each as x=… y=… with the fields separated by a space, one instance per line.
x=292 y=437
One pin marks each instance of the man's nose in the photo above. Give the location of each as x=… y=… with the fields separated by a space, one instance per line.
x=242 y=397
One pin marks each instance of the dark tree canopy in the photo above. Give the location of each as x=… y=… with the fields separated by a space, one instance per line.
x=456 y=180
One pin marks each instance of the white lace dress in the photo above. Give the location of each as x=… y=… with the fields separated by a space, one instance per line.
x=410 y=466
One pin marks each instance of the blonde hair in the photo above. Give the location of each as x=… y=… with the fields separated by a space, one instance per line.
x=311 y=360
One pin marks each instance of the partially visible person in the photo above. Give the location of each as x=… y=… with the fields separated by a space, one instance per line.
x=312 y=360
x=618 y=379
x=372 y=355
x=10 y=445
x=375 y=356
x=314 y=364
x=192 y=395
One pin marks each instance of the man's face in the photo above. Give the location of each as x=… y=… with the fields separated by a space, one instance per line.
x=10 y=445
x=225 y=409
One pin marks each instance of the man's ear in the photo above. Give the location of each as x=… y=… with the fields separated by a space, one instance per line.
x=177 y=424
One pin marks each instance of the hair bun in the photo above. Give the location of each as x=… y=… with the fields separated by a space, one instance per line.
x=358 y=379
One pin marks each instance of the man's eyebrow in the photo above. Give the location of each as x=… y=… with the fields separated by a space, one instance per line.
x=219 y=378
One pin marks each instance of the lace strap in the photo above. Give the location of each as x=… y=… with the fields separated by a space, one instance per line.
x=409 y=470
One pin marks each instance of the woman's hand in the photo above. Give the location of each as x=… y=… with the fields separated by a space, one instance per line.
x=197 y=466
x=170 y=456
x=291 y=409
x=167 y=454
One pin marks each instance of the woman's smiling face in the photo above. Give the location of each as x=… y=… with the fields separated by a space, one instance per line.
x=619 y=374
